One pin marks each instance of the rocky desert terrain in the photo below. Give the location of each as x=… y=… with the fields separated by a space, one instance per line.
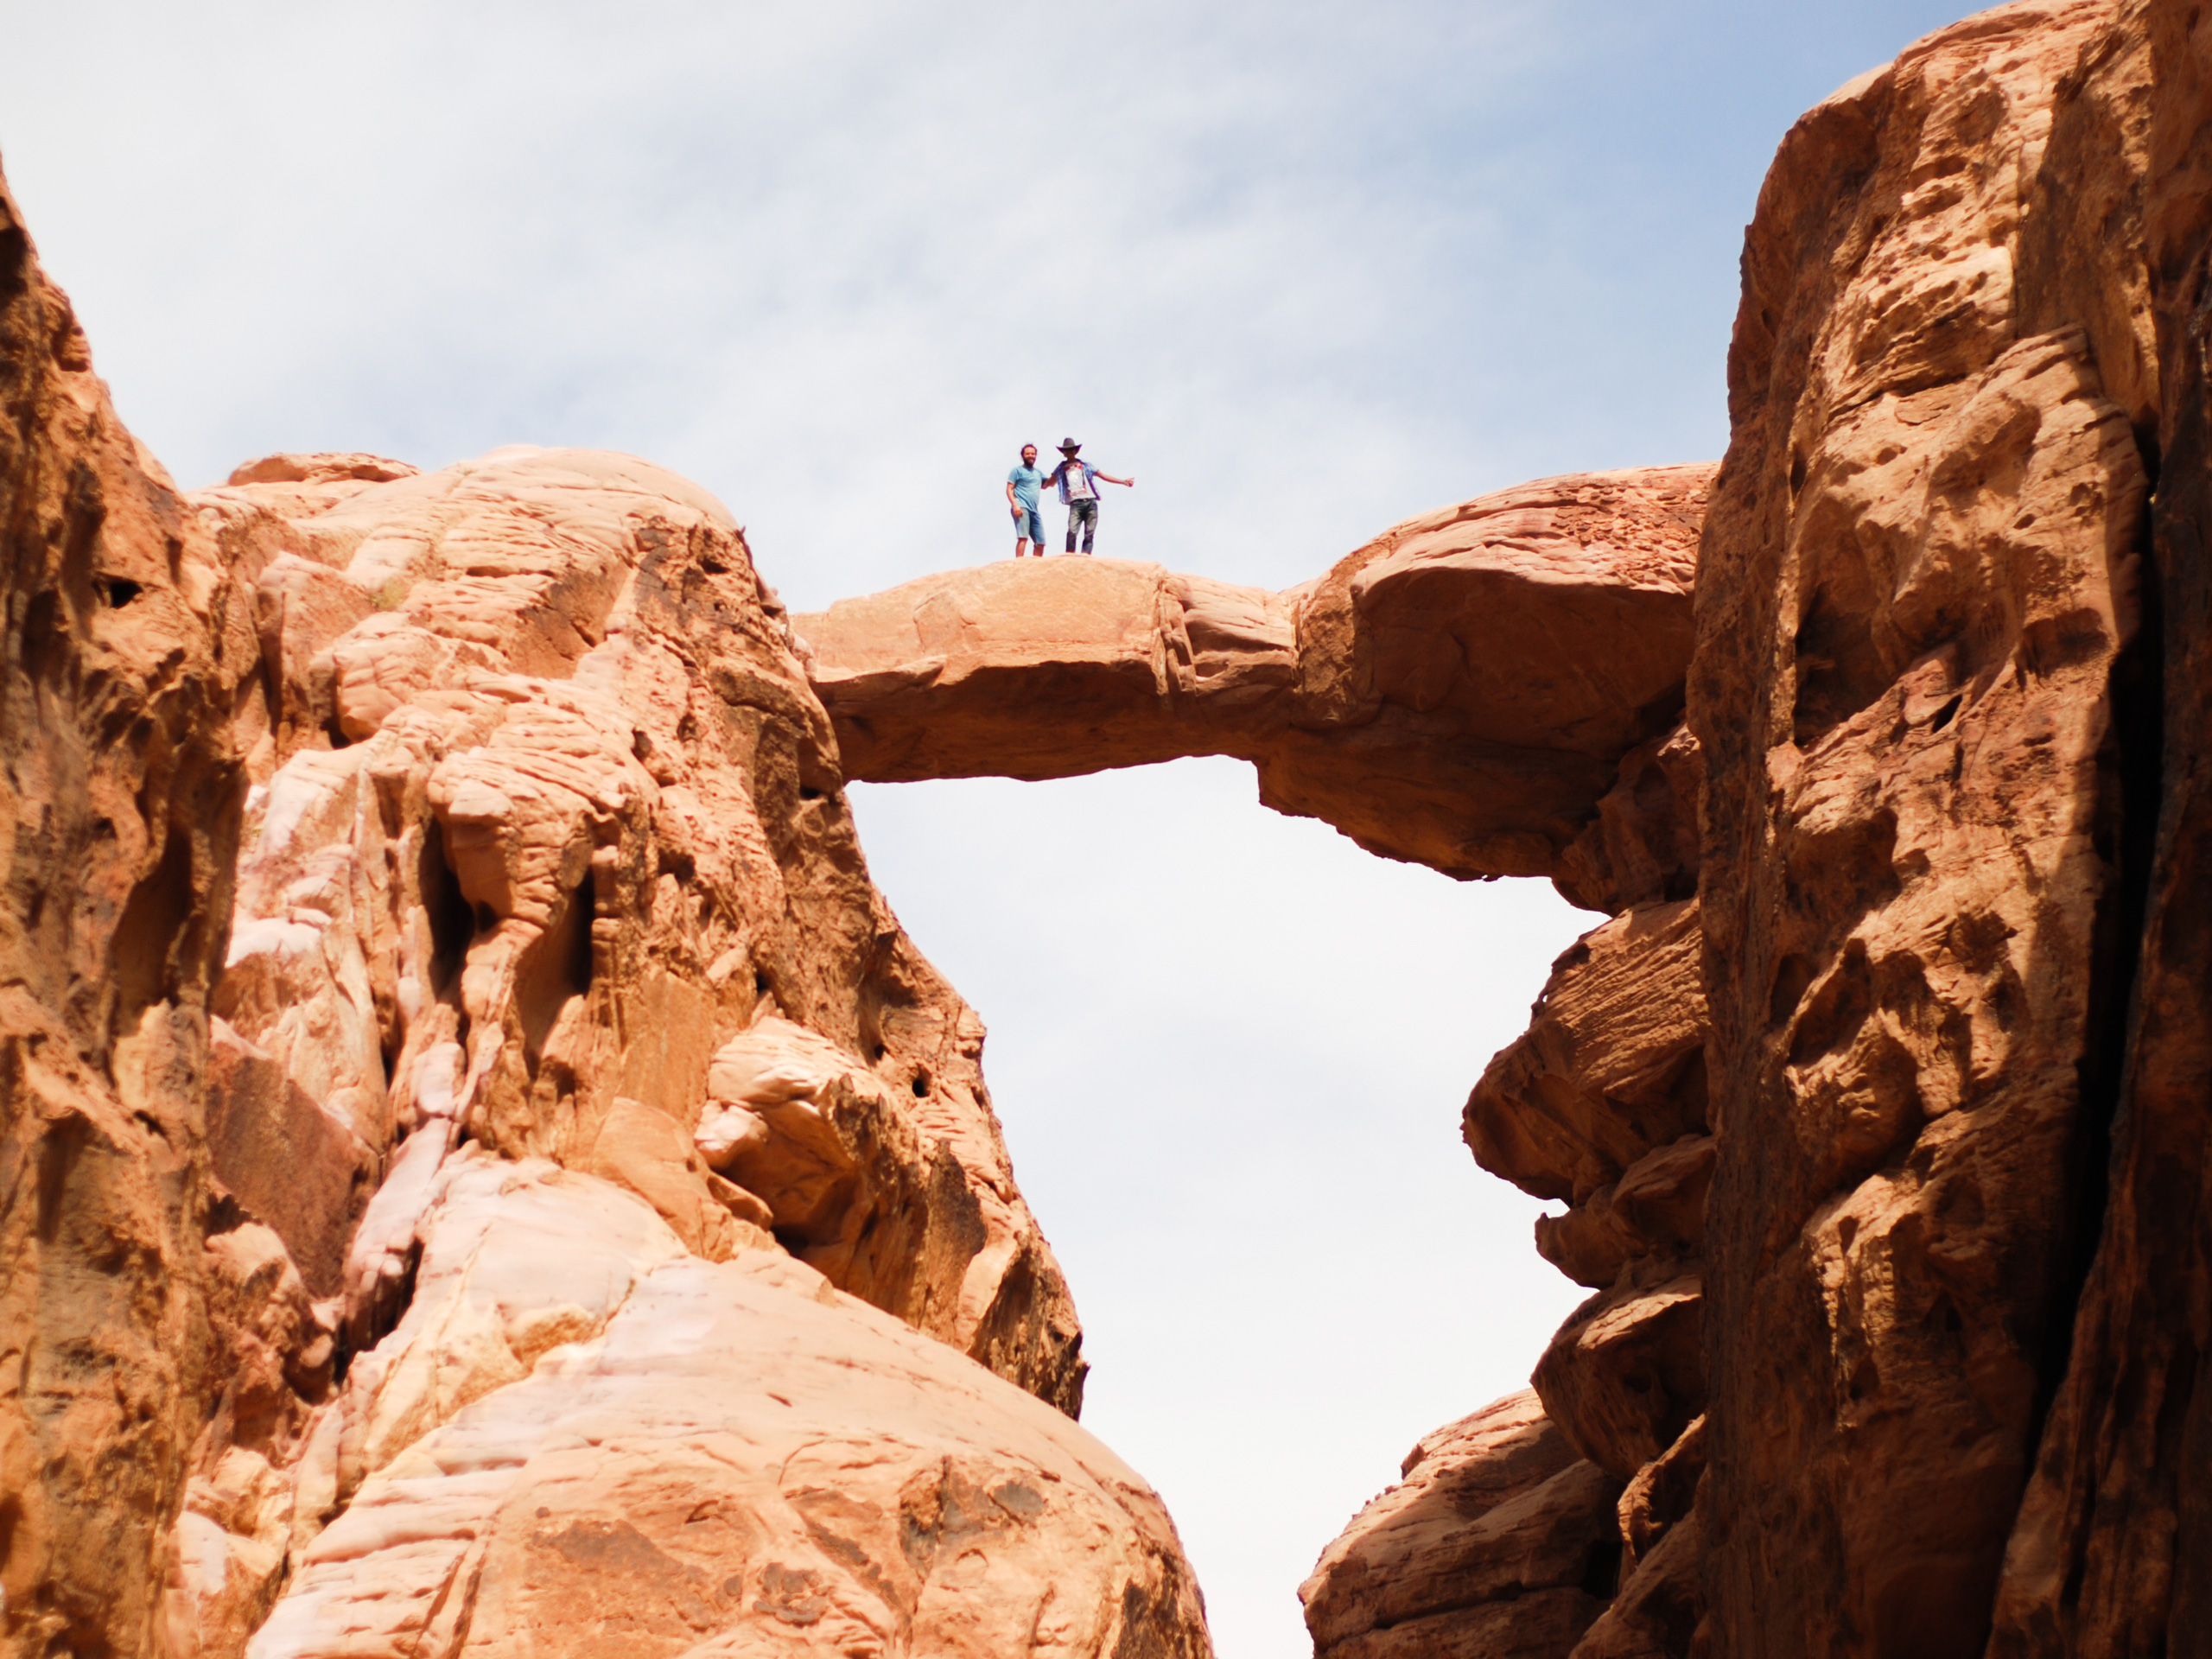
x=483 y=1172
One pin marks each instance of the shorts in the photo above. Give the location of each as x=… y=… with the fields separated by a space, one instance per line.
x=1029 y=525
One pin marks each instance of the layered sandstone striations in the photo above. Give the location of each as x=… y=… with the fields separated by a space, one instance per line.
x=1458 y=692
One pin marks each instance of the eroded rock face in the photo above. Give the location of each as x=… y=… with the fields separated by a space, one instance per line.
x=558 y=827
x=2112 y=1550
x=1611 y=1068
x=1458 y=692
x=1919 y=578
x=1921 y=742
x=126 y=644
x=547 y=869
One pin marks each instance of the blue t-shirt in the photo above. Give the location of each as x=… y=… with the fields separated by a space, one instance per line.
x=1024 y=480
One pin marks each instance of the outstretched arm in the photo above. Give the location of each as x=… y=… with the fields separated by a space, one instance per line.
x=1130 y=481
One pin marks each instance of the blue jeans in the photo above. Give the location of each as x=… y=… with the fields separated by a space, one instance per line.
x=1029 y=526
x=1084 y=513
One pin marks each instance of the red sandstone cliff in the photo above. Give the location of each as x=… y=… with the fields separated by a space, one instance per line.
x=126 y=645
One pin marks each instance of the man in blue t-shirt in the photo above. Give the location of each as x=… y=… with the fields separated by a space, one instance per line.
x=1021 y=496
x=1078 y=485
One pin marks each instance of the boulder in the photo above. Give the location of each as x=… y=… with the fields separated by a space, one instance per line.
x=587 y=1439
x=1656 y=1209
x=1499 y=1540
x=1625 y=1374
x=1662 y=1495
x=1612 y=1065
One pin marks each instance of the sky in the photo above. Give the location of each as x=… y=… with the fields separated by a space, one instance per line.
x=1303 y=270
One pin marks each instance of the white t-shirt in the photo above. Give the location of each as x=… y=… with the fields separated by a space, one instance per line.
x=1080 y=482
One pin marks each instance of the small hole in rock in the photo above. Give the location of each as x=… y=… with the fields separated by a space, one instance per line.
x=121 y=592
x=921 y=1084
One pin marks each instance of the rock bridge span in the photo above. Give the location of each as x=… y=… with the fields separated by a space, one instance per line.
x=1458 y=692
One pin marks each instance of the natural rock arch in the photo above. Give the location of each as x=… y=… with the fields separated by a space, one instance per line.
x=1879 y=1104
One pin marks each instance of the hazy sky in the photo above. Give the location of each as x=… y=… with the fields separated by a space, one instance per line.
x=1304 y=269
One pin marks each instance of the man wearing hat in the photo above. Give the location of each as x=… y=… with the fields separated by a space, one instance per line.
x=1078 y=485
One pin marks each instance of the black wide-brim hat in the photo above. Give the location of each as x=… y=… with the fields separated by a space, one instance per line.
x=1068 y=446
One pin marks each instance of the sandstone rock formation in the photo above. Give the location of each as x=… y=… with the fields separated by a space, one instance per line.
x=2112 y=1549
x=1919 y=582
x=1458 y=692
x=577 y=863
x=451 y=1026
x=546 y=868
x=126 y=642
x=584 y=1436
x=572 y=1217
